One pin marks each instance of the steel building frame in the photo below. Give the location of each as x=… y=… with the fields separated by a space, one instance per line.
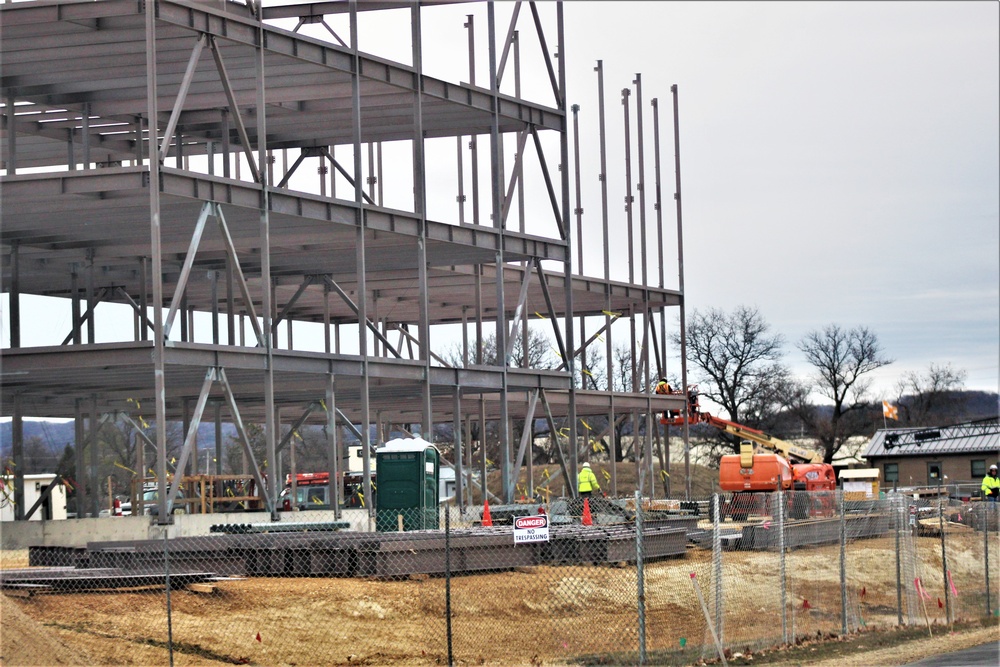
x=102 y=204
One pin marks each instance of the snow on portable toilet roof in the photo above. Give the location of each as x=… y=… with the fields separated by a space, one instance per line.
x=405 y=445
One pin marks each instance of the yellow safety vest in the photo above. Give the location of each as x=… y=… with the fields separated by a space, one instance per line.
x=991 y=483
x=587 y=480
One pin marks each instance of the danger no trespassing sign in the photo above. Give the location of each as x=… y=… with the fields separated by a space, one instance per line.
x=531 y=529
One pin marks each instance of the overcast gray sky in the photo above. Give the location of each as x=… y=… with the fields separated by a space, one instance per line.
x=839 y=161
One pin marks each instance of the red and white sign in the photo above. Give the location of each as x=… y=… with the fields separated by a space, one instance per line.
x=531 y=529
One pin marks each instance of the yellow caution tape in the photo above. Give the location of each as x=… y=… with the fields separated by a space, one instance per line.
x=119 y=465
x=585 y=424
x=540 y=316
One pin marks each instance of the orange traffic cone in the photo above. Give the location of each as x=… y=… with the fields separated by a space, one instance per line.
x=487 y=519
x=587 y=519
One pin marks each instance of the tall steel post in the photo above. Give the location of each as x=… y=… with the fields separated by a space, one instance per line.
x=362 y=291
x=496 y=198
x=159 y=398
x=658 y=206
x=680 y=288
x=608 y=350
x=267 y=305
x=568 y=266
x=420 y=209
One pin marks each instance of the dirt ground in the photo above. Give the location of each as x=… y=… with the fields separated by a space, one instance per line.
x=539 y=615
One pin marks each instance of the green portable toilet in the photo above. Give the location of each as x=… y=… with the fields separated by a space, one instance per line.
x=408 y=471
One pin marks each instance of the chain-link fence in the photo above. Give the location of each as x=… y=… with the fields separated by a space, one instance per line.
x=609 y=581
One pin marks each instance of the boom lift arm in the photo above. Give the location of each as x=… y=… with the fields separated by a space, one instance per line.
x=792 y=452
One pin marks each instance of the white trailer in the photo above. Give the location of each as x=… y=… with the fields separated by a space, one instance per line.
x=53 y=508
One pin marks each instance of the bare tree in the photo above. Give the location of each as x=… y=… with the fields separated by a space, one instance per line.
x=843 y=359
x=737 y=362
x=932 y=396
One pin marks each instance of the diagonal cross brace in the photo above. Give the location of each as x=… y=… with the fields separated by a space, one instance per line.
x=353 y=306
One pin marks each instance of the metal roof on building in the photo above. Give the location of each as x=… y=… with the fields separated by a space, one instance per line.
x=970 y=437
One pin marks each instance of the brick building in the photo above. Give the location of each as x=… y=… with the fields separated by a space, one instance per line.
x=927 y=456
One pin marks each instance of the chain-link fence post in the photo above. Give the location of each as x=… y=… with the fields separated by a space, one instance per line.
x=717 y=564
x=781 y=552
x=900 y=522
x=944 y=558
x=843 y=563
x=447 y=581
x=640 y=580
x=986 y=553
x=166 y=583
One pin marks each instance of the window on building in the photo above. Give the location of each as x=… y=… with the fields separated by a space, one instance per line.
x=978 y=468
x=891 y=472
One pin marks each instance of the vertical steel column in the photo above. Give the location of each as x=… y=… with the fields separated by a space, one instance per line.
x=91 y=299
x=326 y=316
x=473 y=142
x=85 y=134
x=456 y=428
x=214 y=286
x=159 y=399
x=496 y=197
x=71 y=146
x=420 y=209
x=658 y=206
x=79 y=440
x=266 y=305
x=95 y=509
x=568 y=266
x=14 y=301
x=17 y=453
x=629 y=199
x=362 y=290
x=680 y=288
x=608 y=351
x=468 y=460
x=74 y=281
x=11 y=137
x=335 y=490
x=217 y=415
x=578 y=211
x=520 y=209
x=644 y=264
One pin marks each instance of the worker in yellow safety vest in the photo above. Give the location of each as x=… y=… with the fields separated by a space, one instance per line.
x=991 y=485
x=587 y=481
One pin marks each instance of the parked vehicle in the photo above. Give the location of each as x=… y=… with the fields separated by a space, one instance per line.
x=312 y=490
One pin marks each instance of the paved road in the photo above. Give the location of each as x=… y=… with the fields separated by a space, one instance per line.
x=984 y=655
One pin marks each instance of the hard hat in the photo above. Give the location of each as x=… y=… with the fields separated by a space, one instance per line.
x=663 y=379
x=586 y=464
x=993 y=467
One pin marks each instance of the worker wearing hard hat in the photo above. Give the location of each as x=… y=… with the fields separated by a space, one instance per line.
x=991 y=485
x=587 y=481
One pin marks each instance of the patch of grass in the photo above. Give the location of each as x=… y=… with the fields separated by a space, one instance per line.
x=833 y=646
x=804 y=651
